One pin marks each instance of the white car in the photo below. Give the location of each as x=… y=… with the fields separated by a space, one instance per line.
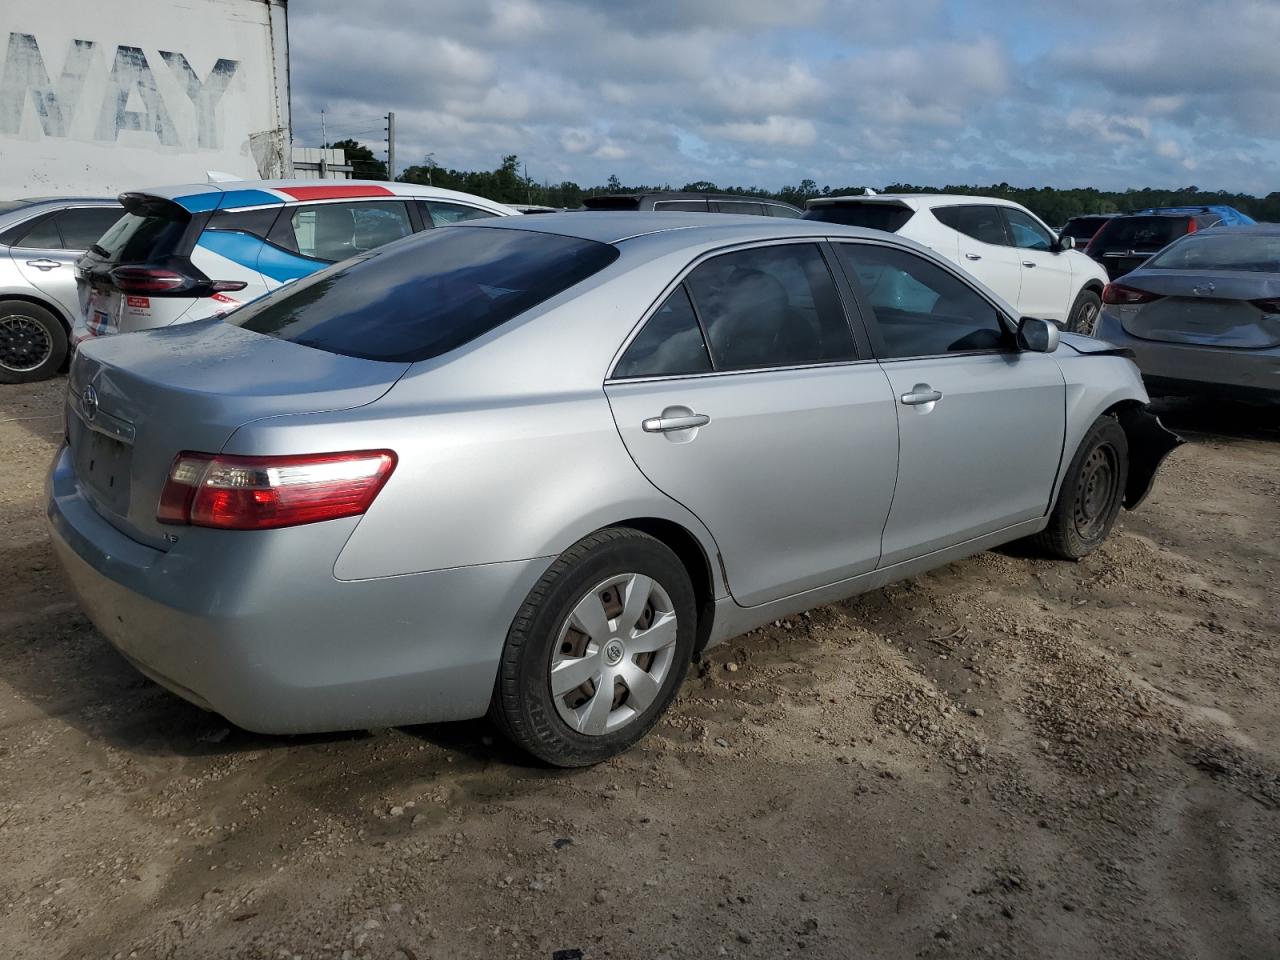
x=1001 y=243
x=190 y=252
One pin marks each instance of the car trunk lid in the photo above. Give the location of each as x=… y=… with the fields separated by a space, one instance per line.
x=134 y=403
x=1220 y=309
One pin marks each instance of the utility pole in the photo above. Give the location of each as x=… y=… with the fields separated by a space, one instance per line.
x=324 y=149
x=391 y=145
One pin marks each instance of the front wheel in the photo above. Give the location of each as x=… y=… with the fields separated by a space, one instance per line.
x=597 y=651
x=1091 y=495
x=1084 y=313
x=33 y=343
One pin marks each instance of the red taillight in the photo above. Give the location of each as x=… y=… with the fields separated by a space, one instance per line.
x=1118 y=293
x=150 y=280
x=1267 y=304
x=1192 y=226
x=259 y=493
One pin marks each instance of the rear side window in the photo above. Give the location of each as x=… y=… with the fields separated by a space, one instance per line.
x=778 y=210
x=443 y=214
x=82 y=226
x=671 y=343
x=978 y=221
x=256 y=223
x=43 y=234
x=772 y=306
x=336 y=231
x=682 y=206
x=889 y=217
x=427 y=296
x=1144 y=233
x=152 y=233
x=749 y=207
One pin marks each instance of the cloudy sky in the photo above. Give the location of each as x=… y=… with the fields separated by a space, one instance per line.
x=1108 y=93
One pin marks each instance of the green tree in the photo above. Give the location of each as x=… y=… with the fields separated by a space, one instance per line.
x=364 y=165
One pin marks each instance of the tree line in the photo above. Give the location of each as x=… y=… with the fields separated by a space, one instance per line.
x=510 y=184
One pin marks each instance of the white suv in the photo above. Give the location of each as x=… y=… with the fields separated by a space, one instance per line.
x=1001 y=243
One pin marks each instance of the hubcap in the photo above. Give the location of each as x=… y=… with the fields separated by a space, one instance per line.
x=24 y=343
x=1099 y=481
x=613 y=653
x=1087 y=320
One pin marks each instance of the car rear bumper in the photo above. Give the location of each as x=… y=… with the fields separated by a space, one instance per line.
x=1180 y=368
x=261 y=632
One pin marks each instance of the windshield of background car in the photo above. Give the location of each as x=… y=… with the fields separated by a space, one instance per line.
x=426 y=295
x=1126 y=233
x=889 y=217
x=1221 y=251
x=144 y=234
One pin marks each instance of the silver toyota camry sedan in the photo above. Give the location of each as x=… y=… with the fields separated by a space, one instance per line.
x=535 y=467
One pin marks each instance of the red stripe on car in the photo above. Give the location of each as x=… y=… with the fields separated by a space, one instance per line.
x=335 y=192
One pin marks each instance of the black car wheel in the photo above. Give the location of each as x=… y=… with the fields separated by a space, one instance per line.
x=1091 y=495
x=33 y=343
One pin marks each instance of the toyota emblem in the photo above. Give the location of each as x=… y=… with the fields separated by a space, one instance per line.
x=1204 y=289
x=89 y=402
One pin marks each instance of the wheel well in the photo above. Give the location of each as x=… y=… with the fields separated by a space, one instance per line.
x=37 y=301
x=1093 y=286
x=685 y=546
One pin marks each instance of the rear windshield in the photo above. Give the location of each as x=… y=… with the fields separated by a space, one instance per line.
x=147 y=232
x=1221 y=251
x=612 y=203
x=425 y=295
x=874 y=216
x=1082 y=228
x=1149 y=233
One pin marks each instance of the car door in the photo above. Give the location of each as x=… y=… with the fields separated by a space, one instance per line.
x=744 y=397
x=1046 y=273
x=983 y=246
x=980 y=424
x=45 y=256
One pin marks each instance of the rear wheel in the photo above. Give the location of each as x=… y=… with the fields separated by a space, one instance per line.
x=1091 y=495
x=33 y=343
x=1084 y=313
x=597 y=651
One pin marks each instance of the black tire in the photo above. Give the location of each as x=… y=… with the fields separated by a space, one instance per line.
x=1091 y=495
x=33 y=342
x=1084 y=313
x=523 y=706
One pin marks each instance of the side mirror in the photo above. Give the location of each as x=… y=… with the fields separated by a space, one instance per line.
x=1037 y=336
x=1066 y=243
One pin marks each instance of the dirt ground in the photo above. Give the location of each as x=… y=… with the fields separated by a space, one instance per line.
x=1008 y=757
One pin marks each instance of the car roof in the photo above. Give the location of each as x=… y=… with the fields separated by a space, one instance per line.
x=241 y=194
x=686 y=195
x=916 y=201
x=680 y=229
x=1246 y=230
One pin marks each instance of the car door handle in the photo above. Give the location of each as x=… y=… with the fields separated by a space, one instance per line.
x=44 y=263
x=921 y=393
x=1028 y=263
x=667 y=424
x=973 y=256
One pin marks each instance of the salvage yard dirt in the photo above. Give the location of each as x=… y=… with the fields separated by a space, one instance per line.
x=1009 y=757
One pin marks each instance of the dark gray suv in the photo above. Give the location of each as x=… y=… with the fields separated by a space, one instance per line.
x=686 y=202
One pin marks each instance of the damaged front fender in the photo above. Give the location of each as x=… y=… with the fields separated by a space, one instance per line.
x=1150 y=441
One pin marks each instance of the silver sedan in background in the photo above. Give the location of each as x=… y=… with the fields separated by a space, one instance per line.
x=1203 y=315
x=534 y=466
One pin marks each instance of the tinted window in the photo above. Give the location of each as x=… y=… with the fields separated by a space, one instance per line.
x=612 y=203
x=1139 y=233
x=1082 y=229
x=974 y=220
x=778 y=210
x=43 y=233
x=140 y=237
x=740 y=206
x=685 y=206
x=257 y=223
x=335 y=231
x=670 y=344
x=1026 y=232
x=921 y=309
x=443 y=214
x=82 y=226
x=1226 y=250
x=426 y=296
x=889 y=217
x=771 y=307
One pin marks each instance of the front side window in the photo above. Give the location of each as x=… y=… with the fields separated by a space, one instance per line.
x=335 y=231
x=1026 y=232
x=82 y=226
x=921 y=309
x=671 y=343
x=771 y=306
x=422 y=298
x=976 y=220
x=443 y=214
